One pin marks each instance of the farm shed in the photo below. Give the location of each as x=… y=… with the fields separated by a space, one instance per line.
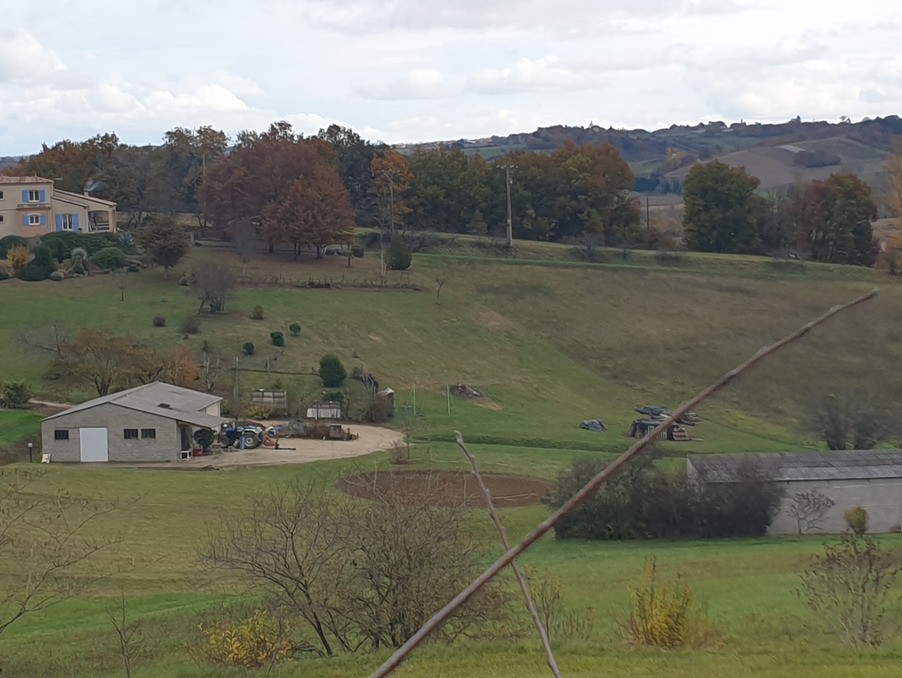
x=871 y=479
x=149 y=423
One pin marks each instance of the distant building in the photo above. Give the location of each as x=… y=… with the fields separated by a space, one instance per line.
x=871 y=479
x=153 y=422
x=31 y=206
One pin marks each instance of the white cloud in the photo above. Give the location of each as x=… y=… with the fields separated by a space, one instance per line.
x=540 y=75
x=420 y=83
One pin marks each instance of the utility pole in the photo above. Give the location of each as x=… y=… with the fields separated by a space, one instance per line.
x=510 y=227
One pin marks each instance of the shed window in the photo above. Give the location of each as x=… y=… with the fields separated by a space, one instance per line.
x=61 y=434
x=148 y=433
x=130 y=433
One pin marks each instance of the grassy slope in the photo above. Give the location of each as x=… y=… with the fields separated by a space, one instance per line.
x=550 y=342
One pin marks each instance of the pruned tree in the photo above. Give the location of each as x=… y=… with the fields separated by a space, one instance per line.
x=808 y=509
x=52 y=543
x=859 y=420
x=130 y=641
x=213 y=285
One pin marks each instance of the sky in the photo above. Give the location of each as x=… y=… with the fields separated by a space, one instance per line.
x=401 y=71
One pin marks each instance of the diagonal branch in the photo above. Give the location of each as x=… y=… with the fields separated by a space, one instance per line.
x=592 y=486
x=518 y=573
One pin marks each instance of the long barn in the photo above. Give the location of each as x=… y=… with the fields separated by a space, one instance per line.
x=871 y=479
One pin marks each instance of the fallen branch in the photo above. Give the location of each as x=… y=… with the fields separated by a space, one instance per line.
x=592 y=486
x=518 y=573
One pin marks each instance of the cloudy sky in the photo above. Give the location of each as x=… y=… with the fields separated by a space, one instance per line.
x=404 y=70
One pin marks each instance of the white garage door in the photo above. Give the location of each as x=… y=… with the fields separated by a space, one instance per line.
x=93 y=444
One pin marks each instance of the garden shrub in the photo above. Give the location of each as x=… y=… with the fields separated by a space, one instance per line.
x=16 y=394
x=857 y=520
x=109 y=258
x=10 y=241
x=191 y=324
x=248 y=348
x=277 y=338
x=17 y=257
x=90 y=242
x=257 y=313
x=331 y=371
x=295 y=329
x=159 y=321
x=251 y=643
x=32 y=272
x=661 y=615
x=399 y=256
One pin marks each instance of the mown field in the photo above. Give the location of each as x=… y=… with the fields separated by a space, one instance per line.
x=550 y=341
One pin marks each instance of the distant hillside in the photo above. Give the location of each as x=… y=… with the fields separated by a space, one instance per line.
x=778 y=154
x=8 y=161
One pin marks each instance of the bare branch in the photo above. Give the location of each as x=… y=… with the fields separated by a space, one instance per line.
x=521 y=580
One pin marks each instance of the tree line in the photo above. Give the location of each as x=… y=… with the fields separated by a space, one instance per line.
x=308 y=192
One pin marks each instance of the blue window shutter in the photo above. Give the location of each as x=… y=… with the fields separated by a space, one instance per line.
x=25 y=220
x=43 y=196
x=75 y=226
x=43 y=220
x=59 y=222
x=24 y=196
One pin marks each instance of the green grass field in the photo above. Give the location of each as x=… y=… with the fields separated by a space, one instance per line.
x=550 y=341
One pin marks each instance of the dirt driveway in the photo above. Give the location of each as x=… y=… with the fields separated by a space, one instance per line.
x=370 y=439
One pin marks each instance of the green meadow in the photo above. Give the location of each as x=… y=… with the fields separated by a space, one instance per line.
x=549 y=341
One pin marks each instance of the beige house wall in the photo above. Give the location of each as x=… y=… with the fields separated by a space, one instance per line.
x=13 y=209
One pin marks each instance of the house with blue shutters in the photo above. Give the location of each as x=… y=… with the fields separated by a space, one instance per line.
x=31 y=206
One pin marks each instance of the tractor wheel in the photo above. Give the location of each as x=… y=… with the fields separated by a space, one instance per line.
x=249 y=440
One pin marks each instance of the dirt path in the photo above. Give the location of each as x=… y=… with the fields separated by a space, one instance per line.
x=371 y=439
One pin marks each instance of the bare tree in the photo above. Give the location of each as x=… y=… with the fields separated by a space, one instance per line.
x=128 y=635
x=809 y=509
x=358 y=576
x=51 y=543
x=213 y=284
x=847 y=586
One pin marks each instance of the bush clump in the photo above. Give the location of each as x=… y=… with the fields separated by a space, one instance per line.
x=109 y=258
x=10 y=241
x=331 y=371
x=159 y=321
x=191 y=324
x=257 y=313
x=277 y=338
x=248 y=348
x=295 y=329
x=646 y=502
x=857 y=520
x=399 y=256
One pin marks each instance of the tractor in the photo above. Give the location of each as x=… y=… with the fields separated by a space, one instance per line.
x=242 y=436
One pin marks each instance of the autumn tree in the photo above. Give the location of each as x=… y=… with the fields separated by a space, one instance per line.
x=269 y=183
x=391 y=178
x=188 y=152
x=835 y=218
x=165 y=240
x=722 y=212
x=72 y=164
x=354 y=156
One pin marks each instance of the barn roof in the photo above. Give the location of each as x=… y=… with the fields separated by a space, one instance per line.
x=165 y=400
x=789 y=466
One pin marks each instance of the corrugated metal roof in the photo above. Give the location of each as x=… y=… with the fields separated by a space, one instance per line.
x=165 y=400
x=789 y=466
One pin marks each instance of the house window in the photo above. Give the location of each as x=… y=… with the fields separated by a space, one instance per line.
x=33 y=196
x=1 y=218
x=130 y=433
x=34 y=219
x=148 y=433
x=67 y=222
x=1 y=195
x=61 y=434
